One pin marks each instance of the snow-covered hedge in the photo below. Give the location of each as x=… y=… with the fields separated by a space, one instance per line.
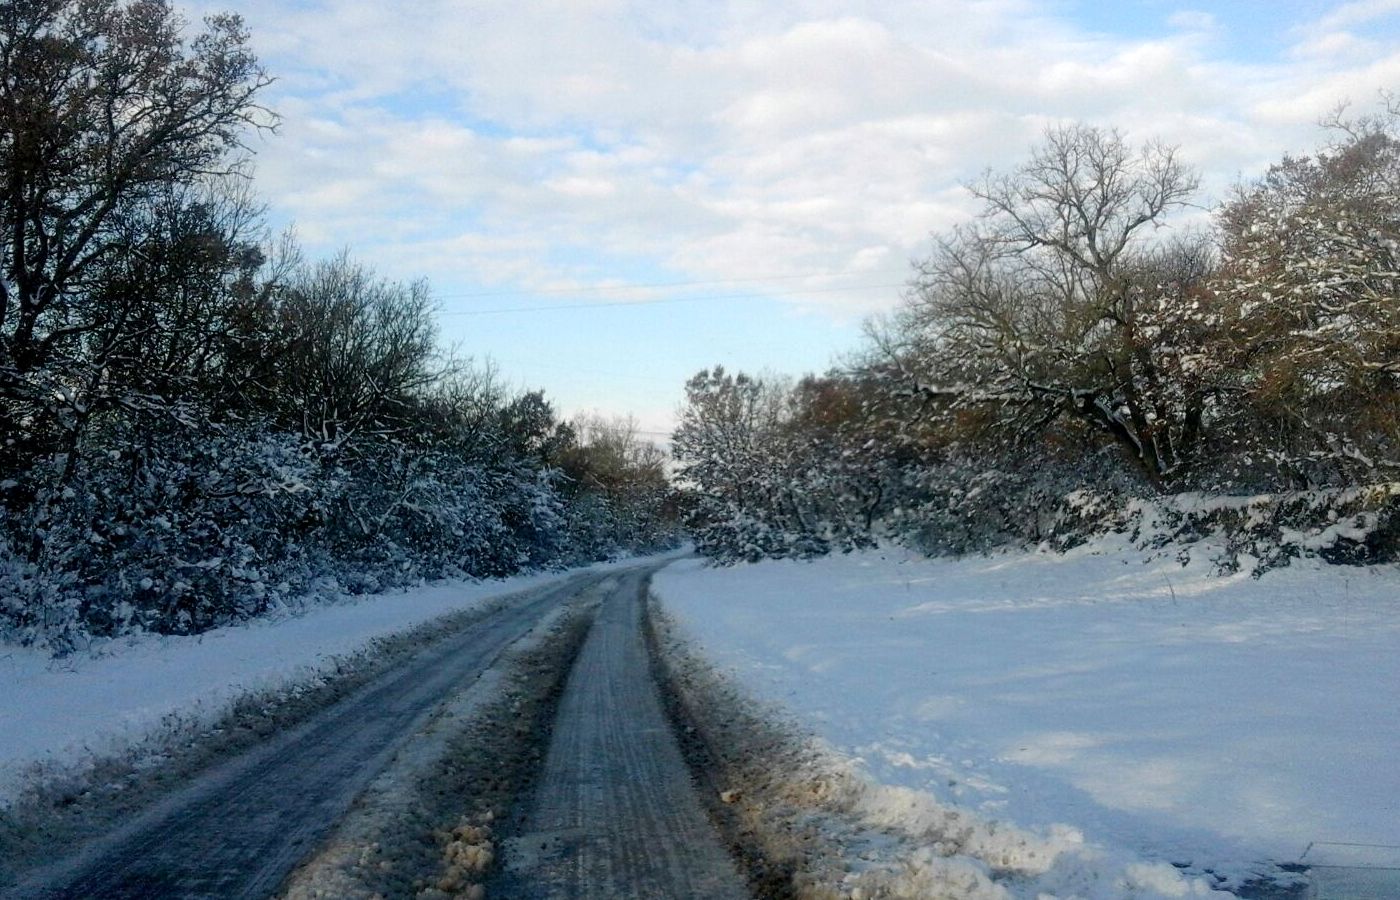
x=1234 y=389
x=1257 y=532
x=178 y=530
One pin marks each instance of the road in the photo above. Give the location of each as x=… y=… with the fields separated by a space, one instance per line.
x=615 y=813
x=238 y=830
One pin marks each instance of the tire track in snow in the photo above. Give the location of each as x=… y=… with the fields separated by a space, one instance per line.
x=615 y=813
x=239 y=829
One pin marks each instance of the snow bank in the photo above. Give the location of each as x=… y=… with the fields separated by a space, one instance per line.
x=61 y=713
x=1090 y=698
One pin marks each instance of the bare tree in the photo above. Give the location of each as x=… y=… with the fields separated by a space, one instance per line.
x=106 y=112
x=102 y=103
x=1059 y=302
x=356 y=352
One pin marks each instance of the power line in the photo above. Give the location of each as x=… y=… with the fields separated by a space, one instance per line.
x=534 y=364
x=661 y=300
x=636 y=287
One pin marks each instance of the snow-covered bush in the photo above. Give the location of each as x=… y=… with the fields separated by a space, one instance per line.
x=1059 y=371
x=169 y=527
x=160 y=528
x=1256 y=532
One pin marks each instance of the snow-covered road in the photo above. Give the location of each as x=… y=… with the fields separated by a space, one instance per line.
x=1220 y=722
x=615 y=813
x=238 y=829
x=436 y=733
x=61 y=714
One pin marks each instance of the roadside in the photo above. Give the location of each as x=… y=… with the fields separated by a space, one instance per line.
x=740 y=756
x=809 y=824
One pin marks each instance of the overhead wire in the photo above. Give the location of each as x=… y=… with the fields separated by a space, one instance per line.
x=630 y=287
x=654 y=301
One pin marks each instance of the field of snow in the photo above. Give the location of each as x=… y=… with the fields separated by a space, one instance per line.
x=1162 y=711
x=62 y=712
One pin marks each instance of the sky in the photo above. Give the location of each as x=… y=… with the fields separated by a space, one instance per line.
x=610 y=195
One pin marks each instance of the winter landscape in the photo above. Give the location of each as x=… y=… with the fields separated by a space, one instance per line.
x=604 y=449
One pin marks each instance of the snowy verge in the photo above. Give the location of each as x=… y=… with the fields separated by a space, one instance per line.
x=59 y=716
x=809 y=823
x=1223 y=723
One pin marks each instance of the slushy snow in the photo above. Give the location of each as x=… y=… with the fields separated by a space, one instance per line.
x=1221 y=723
x=59 y=714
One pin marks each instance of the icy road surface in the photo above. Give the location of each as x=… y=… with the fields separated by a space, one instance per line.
x=64 y=714
x=238 y=830
x=615 y=814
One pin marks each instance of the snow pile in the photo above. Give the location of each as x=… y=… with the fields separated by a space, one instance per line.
x=60 y=714
x=962 y=854
x=936 y=849
x=1166 y=713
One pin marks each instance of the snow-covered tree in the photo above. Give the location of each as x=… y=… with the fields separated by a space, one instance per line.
x=1058 y=302
x=741 y=505
x=1311 y=295
x=197 y=424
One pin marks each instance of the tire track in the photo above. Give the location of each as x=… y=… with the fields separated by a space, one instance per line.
x=239 y=829
x=616 y=814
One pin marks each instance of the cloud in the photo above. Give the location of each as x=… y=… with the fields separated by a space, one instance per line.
x=1348 y=15
x=575 y=141
x=1334 y=45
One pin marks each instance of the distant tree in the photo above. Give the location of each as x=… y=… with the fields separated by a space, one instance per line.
x=746 y=471
x=618 y=480
x=609 y=455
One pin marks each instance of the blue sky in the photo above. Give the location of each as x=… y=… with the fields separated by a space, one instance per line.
x=656 y=188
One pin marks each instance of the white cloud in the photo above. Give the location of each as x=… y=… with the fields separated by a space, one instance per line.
x=1313 y=99
x=1334 y=45
x=540 y=141
x=1348 y=15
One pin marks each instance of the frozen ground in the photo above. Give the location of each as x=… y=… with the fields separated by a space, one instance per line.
x=59 y=713
x=1162 y=711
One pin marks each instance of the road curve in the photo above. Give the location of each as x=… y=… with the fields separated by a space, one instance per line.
x=615 y=813
x=239 y=829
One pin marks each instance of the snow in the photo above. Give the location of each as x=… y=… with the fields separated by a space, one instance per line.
x=61 y=713
x=1163 y=711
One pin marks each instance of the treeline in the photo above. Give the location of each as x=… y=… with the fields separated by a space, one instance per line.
x=197 y=424
x=1074 y=351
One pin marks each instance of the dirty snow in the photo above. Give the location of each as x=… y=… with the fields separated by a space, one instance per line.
x=1144 y=707
x=60 y=713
